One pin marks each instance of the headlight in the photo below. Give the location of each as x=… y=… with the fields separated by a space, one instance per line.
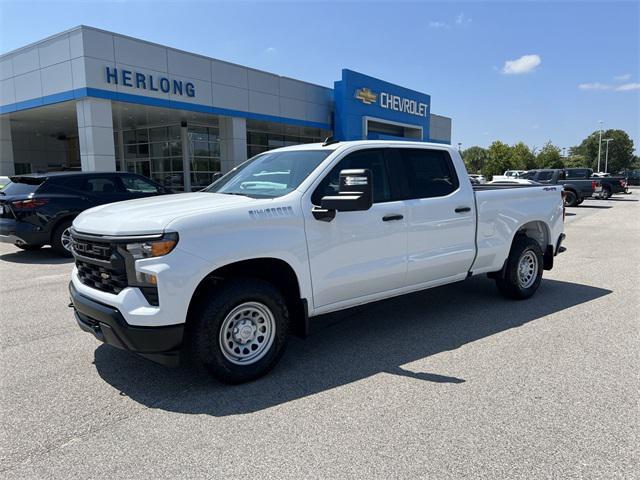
x=153 y=248
x=148 y=249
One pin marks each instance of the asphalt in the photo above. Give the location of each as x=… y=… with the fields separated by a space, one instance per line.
x=449 y=383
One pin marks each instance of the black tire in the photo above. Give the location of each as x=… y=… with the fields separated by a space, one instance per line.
x=570 y=199
x=209 y=317
x=606 y=193
x=510 y=283
x=57 y=242
x=579 y=202
x=28 y=248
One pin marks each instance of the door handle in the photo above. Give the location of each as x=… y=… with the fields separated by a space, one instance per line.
x=463 y=209
x=389 y=218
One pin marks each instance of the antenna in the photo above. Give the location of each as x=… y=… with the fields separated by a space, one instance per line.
x=330 y=141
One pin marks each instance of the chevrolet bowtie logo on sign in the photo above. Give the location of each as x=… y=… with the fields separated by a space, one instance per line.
x=366 y=96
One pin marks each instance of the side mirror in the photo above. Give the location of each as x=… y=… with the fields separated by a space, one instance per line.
x=355 y=194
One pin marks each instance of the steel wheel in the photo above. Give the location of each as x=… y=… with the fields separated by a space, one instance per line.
x=527 y=269
x=247 y=333
x=65 y=239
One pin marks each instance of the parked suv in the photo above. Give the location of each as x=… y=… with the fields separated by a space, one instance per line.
x=38 y=209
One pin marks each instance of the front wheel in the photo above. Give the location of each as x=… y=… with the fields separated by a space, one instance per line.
x=239 y=333
x=523 y=272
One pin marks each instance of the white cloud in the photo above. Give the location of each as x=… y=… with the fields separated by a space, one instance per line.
x=436 y=24
x=628 y=86
x=271 y=50
x=594 y=86
x=622 y=78
x=462 y=19
x=535 y=126
x=524 y=64
x=625 y=87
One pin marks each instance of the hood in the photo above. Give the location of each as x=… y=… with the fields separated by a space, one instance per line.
x=152 y=214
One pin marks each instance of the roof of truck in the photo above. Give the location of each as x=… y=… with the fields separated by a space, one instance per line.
x=352 y=143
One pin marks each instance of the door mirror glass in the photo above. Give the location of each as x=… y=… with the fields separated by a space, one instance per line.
x=355 y=192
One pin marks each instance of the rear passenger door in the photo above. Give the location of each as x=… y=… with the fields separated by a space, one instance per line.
x=105 y=188
x=441 y=218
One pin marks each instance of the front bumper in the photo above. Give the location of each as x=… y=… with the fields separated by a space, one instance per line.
x=106 y=323
x=23 y=233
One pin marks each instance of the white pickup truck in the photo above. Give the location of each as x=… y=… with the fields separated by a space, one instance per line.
x=227 y=273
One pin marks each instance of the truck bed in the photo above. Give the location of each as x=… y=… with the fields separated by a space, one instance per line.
x=503 y=186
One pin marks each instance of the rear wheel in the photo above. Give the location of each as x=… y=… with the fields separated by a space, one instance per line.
x=523 y=272
x=606 y=193
x=570 y=198
x=239 y=333
x=61 y=239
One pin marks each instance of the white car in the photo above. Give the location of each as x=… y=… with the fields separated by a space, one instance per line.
x=510 y=175
x=513 y=181
x=480 y=178
x=227 y=273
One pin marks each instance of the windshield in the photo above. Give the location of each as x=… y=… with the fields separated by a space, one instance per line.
x=270 y=174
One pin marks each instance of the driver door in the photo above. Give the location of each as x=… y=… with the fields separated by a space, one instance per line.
x=361 y=254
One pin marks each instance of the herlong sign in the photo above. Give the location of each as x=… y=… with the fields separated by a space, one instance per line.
x=147 y=81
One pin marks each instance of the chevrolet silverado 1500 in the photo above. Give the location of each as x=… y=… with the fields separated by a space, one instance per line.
x=227 y=273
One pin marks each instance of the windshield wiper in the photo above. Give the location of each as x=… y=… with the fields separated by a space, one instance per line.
x=233 y=193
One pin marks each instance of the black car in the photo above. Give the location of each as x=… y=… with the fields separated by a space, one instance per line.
x=38 y=209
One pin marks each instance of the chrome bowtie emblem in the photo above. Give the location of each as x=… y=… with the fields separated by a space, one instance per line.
x=105 y=276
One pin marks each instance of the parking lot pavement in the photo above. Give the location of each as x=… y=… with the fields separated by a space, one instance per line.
x=448 y=383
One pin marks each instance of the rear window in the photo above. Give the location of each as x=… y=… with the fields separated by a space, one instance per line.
x=22 y=186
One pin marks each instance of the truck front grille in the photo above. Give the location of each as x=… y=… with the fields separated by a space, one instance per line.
x=101 y=277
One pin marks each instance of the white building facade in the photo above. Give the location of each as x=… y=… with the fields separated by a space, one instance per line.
x=99 y=101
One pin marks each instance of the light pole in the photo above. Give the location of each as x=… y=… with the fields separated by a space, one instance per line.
x=563 y=151
x=459 y=146
x=606 y=155
x=600 y=143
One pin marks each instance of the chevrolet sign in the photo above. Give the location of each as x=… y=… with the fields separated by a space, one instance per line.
x=392 y=102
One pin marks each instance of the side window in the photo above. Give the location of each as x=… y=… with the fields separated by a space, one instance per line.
x=373 y=159
x=544 y=176
x=102 y=185
x=133 y=184
x=429 y=173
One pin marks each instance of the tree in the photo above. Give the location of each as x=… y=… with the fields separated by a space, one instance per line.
x=620 y=151
x=475 y=159
x=575 y=161
x=549 y=157
x=523 y=157
x=499 y=159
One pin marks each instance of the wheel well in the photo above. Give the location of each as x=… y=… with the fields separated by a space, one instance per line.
x=275 y=271
x=539 y=232
x=57 y=224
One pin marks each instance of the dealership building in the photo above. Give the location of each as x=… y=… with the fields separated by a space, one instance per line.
x=100 y=101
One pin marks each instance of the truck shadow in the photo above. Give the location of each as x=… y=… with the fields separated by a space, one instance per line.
x=379 y=338
x=44 y=256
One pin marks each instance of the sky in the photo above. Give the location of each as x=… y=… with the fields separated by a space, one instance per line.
x=510 y=71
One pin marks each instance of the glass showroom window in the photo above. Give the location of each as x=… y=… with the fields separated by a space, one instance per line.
x=263 y=136
x=156 y=153
x=204 y=155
